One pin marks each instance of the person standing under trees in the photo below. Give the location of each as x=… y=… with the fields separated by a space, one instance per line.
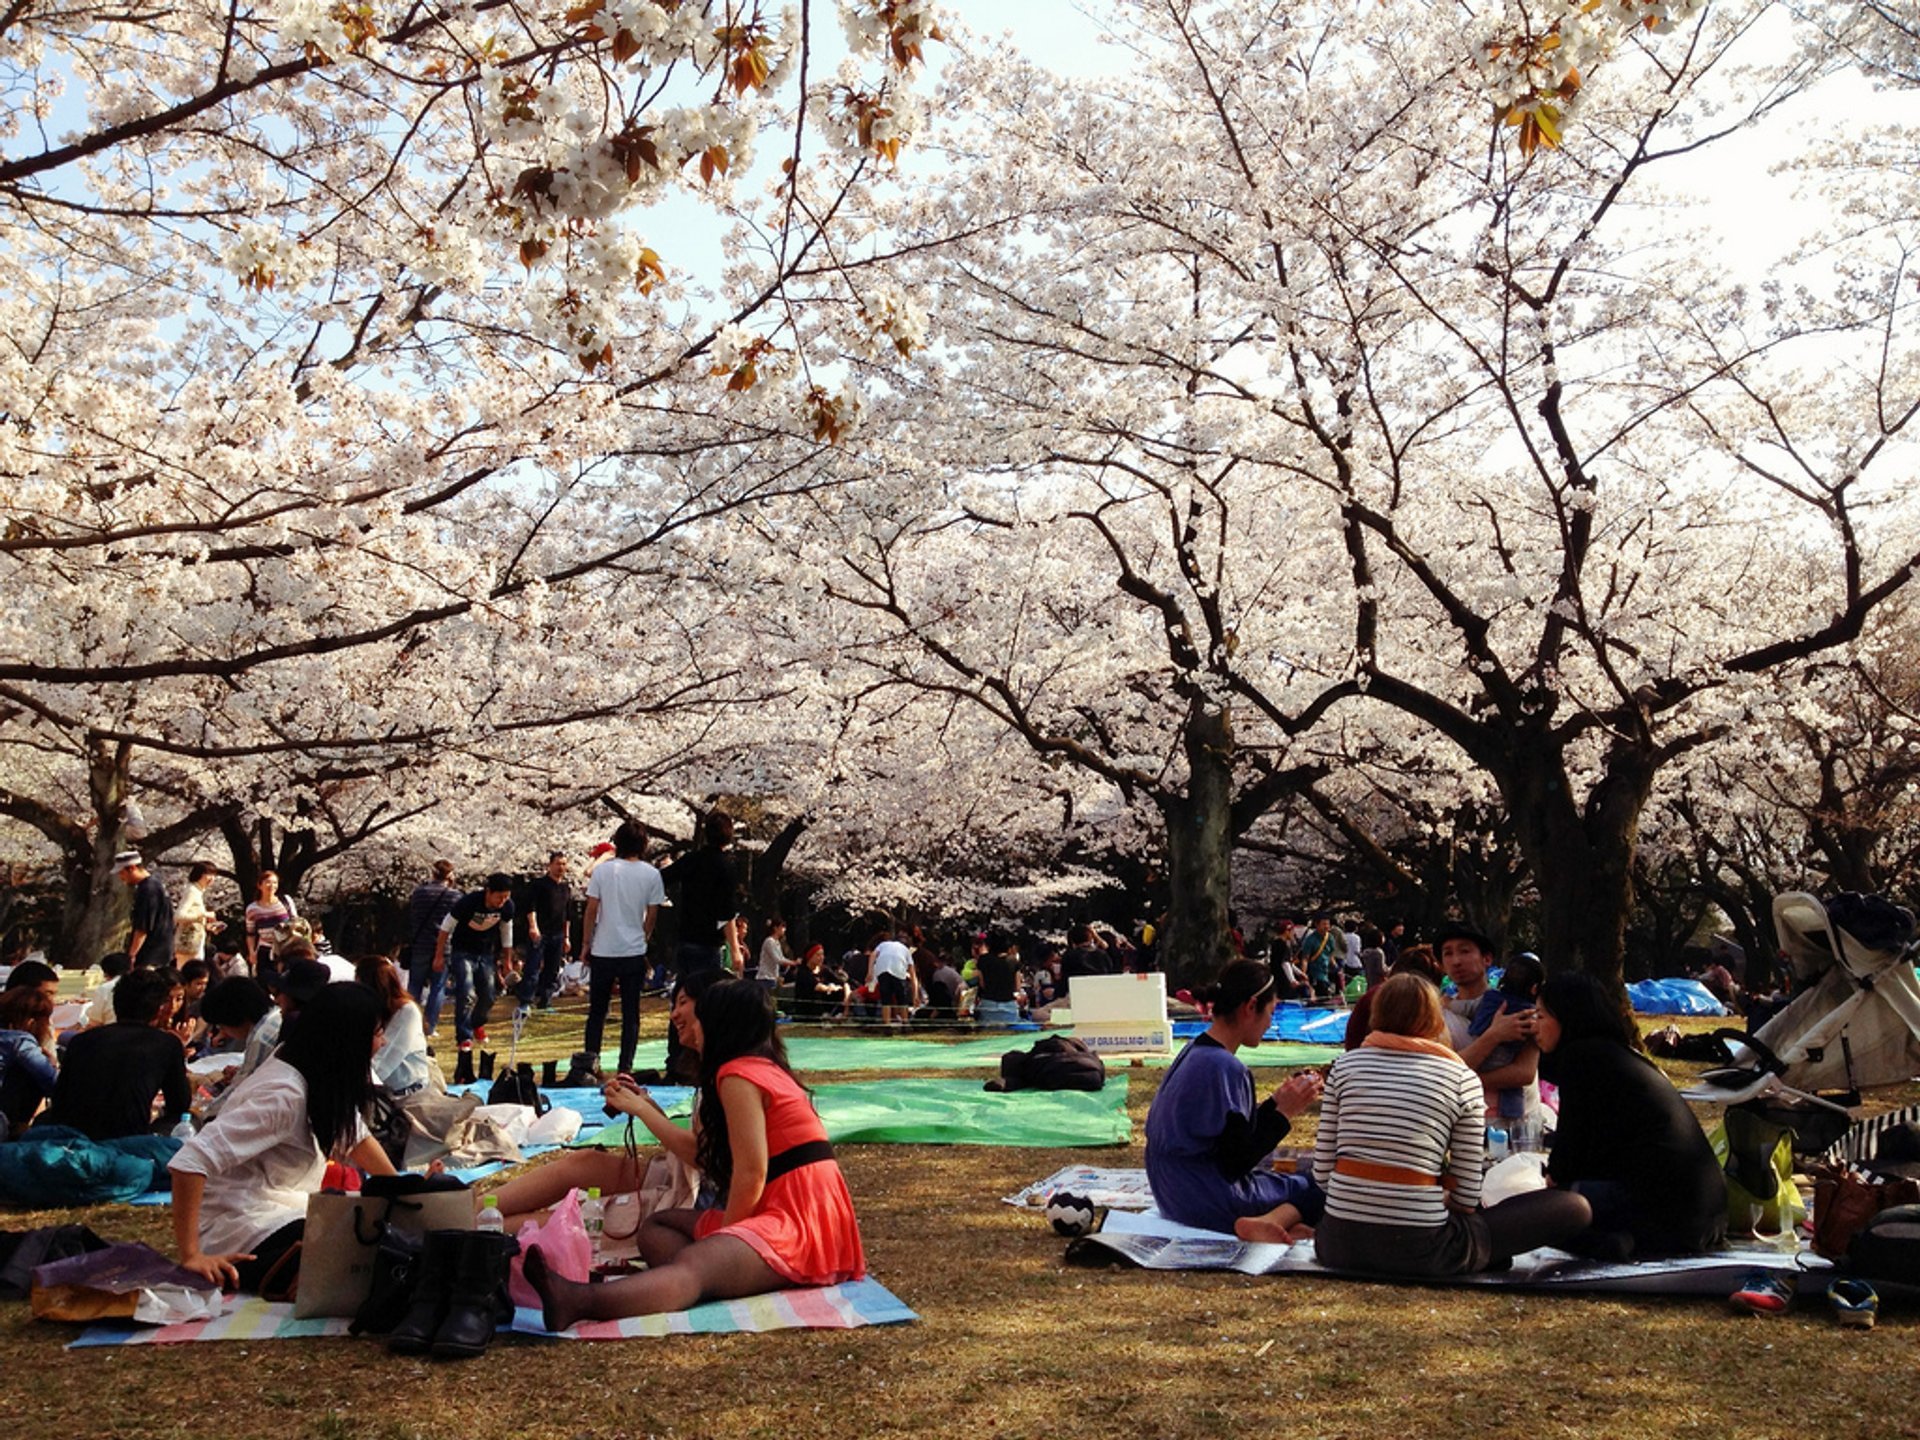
x=192 y=921
x=1319 y=954
x=475 y=948
x=895 y=984
x=706 y=897
x=426 y=908
x=151 y=943
x=549 y=921
x=269 y=921
x=623 y=903
x=773 y=962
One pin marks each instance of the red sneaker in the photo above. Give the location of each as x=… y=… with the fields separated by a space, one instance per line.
x=480 y=1033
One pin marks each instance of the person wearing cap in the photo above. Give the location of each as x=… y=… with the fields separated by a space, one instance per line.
x=475 y=949
x=151 y=943
x=1465 y=955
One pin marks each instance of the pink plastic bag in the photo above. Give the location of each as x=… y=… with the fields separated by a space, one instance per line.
x=562 y=1239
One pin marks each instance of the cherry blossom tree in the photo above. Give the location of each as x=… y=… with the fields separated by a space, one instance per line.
x=329 y=326
x=1293 y=380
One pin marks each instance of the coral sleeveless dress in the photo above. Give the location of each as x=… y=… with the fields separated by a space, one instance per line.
x=804 y=1226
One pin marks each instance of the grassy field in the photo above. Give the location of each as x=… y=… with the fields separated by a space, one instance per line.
x=1011 y=1342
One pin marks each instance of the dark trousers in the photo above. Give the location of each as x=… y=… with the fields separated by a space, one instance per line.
x=604 y=973
x=542 y=975
x=267 y=1258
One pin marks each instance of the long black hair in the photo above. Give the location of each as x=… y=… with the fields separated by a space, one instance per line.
x=736 y=1020
x=331 y=1044
x=1587 y=1009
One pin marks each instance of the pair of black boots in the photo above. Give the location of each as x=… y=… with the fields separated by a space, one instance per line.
x=463 y=1073
x=459 y=1295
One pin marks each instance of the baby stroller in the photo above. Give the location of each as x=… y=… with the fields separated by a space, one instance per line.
x=1855 y=1021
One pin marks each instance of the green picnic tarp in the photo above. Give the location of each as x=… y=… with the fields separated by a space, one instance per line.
x=826 y=1053
x=951 y=1112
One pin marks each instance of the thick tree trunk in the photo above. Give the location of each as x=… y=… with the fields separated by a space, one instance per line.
x=1581 y=856
x=766 y=870
x=93 y=912
x=1199 y=824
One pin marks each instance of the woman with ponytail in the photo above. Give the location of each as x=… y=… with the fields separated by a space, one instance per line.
x=787 y=1218
x=1207 y=1142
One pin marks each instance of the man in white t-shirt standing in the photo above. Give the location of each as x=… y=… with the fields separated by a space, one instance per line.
x=624 y=895
x=894 y=982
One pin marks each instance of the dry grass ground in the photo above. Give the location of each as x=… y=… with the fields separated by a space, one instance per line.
x=1013 y=1343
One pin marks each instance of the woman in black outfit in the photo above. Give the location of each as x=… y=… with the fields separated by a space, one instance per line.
x=1626 y=1140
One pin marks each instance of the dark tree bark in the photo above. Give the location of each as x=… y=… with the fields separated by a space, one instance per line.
x=1199 y=822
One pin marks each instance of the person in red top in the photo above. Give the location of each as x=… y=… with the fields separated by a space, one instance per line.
x=788 y=1219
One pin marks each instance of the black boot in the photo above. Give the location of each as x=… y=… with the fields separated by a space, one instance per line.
x=477 y=1302
x=585 y=1071
x=439 y=1257
x=549 y=1074
x=486 y=1064
x=463 y=1067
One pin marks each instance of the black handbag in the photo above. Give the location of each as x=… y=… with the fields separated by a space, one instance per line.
x=518 y=1087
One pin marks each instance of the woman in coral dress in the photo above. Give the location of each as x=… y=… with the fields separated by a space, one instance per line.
x=787 y=1219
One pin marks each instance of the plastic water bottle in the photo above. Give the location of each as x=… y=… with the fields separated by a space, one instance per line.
x=490 y=1219
x=1496 y=1145
x=593 y=1219
x=184 y=1130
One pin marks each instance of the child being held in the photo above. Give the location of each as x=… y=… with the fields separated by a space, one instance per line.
x=1517 y=990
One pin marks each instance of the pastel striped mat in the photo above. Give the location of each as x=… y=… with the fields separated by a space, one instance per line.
x=836 y=1307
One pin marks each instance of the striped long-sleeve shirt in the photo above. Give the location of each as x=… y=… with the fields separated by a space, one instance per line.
x=1396 y=1117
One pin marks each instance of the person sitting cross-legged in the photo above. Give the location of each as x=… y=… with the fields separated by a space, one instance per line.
x=1208 y=1143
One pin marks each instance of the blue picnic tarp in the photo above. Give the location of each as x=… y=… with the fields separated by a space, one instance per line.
x=1673 y=997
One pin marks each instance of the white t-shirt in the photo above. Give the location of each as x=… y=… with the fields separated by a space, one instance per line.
x=890 y=957
x=100 y=1008
x=190 y=924
x=772 y=956
x=259 y=1158
x=624 y=888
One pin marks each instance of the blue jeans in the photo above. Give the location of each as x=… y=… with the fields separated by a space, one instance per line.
x=474 y=983
x=542 y=975
x=426 y=987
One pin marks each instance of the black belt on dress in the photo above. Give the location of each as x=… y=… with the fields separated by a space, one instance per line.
x=787 y=1161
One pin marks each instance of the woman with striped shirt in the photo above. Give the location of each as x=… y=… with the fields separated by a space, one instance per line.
x=1401 y=1150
